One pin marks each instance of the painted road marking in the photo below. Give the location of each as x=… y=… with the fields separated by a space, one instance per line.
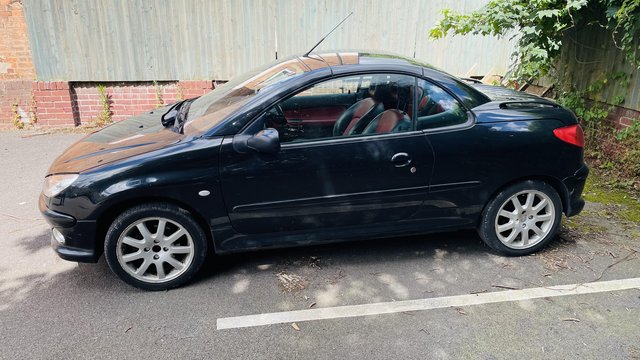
x=424 y=304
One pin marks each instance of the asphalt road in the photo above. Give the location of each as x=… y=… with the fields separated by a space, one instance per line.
x=52 y=309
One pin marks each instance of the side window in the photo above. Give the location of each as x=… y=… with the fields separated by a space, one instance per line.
x=349 y=106
x=348 y=85
x=436 y=108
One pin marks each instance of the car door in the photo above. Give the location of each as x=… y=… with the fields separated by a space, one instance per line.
x=456 y=185
x=381 y=175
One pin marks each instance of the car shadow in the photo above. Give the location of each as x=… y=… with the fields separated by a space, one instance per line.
x=368 y=271
x=379 y=270
x=458 y=252
x=363 y=252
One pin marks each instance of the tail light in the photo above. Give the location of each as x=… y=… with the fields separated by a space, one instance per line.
x=571 y=134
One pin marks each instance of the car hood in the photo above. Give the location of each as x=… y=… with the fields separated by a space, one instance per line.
x=133 y=136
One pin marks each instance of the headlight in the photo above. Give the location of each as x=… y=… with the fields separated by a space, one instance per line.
x=54 y=184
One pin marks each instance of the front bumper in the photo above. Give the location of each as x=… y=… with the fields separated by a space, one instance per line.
x=575 y=186
x=76 y=239
x=72 y=253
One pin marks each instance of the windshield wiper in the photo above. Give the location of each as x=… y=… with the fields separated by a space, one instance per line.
x=176 y=116
x=169 y=118
x=181 y=116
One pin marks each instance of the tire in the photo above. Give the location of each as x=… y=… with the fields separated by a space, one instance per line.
x=139 y=255
x=517 y=231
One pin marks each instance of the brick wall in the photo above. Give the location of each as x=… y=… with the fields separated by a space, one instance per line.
x=62 y=103
x=53 y=101
x=79 y=103
x=15 y=53
x=16 y=66
x=132 y=98
x=623 y=117
x=15 y=99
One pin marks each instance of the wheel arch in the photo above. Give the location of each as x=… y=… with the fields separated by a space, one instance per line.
x=557 y=185
x=106 y=218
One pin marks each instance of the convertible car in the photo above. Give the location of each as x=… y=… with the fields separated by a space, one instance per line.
x=313 y=149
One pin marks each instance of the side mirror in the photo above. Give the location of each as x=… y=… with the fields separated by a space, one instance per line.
x=265 y=141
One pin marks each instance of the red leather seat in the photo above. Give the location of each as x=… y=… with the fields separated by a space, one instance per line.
x=389 y=121
x=356 y=117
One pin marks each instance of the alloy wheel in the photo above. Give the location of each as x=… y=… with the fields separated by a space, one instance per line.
x=525 y=219
x=155 y=250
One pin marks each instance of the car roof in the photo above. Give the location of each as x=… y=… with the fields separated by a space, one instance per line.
x=334 y=59
x=353 y=61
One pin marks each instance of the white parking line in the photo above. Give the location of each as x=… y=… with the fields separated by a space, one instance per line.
x=424 y=304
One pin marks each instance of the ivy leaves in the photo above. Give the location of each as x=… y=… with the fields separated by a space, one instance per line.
x=624 y=19
x=539 y=27
x=549 y=13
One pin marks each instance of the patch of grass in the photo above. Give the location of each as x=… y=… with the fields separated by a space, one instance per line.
x=596 y=190
x=571 y=224
x=159 y=99
x=581 y=224
x=584 y=224
x=104 y=118
x=17 y=119
x=179 y=92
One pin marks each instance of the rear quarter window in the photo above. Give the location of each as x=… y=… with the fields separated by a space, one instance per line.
x=436 y=108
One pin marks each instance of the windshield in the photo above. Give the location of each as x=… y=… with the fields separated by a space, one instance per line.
x=212 y=108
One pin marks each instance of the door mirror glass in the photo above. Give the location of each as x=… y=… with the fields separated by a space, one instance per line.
x=265 y=141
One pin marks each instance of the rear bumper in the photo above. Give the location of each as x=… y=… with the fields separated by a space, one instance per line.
x=575 y=186
x=74 y=240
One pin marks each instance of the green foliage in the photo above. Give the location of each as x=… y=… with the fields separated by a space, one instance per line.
x=631 y=157
x=592 y=113
x=179 y=92
x=630 y=132
x=615 y=152
x=623 y=19
x=33 y=110
x=601 y=190
x=17 y=119
x=618 y=100
x=159 y=100
x=539 y=27
x=104 y=118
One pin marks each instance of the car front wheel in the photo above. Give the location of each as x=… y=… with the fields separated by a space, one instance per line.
x=155 y=246
x=522 y=218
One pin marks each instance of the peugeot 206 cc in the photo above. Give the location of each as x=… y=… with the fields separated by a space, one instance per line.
x=314 y=149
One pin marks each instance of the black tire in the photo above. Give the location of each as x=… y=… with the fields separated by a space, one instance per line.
x=488 y=230
x=175 y=217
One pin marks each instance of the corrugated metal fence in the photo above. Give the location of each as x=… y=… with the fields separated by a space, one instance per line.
x=589 y=55
x=133 y=40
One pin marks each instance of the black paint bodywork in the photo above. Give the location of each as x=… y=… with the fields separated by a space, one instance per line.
x=317 y=191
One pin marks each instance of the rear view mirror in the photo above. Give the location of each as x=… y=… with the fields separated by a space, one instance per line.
x=265 y=141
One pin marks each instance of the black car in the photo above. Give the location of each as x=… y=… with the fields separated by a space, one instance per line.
x=315 y=149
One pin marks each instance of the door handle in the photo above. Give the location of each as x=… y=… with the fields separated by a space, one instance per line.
x=401 y=159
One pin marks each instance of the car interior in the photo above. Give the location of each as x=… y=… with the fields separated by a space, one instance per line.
x=363 y=105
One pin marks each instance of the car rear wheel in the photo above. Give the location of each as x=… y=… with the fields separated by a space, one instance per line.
x=522 y=218
x=155 y=246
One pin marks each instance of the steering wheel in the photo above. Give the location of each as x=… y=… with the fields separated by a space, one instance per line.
x=276 y=118
x=279 y=110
